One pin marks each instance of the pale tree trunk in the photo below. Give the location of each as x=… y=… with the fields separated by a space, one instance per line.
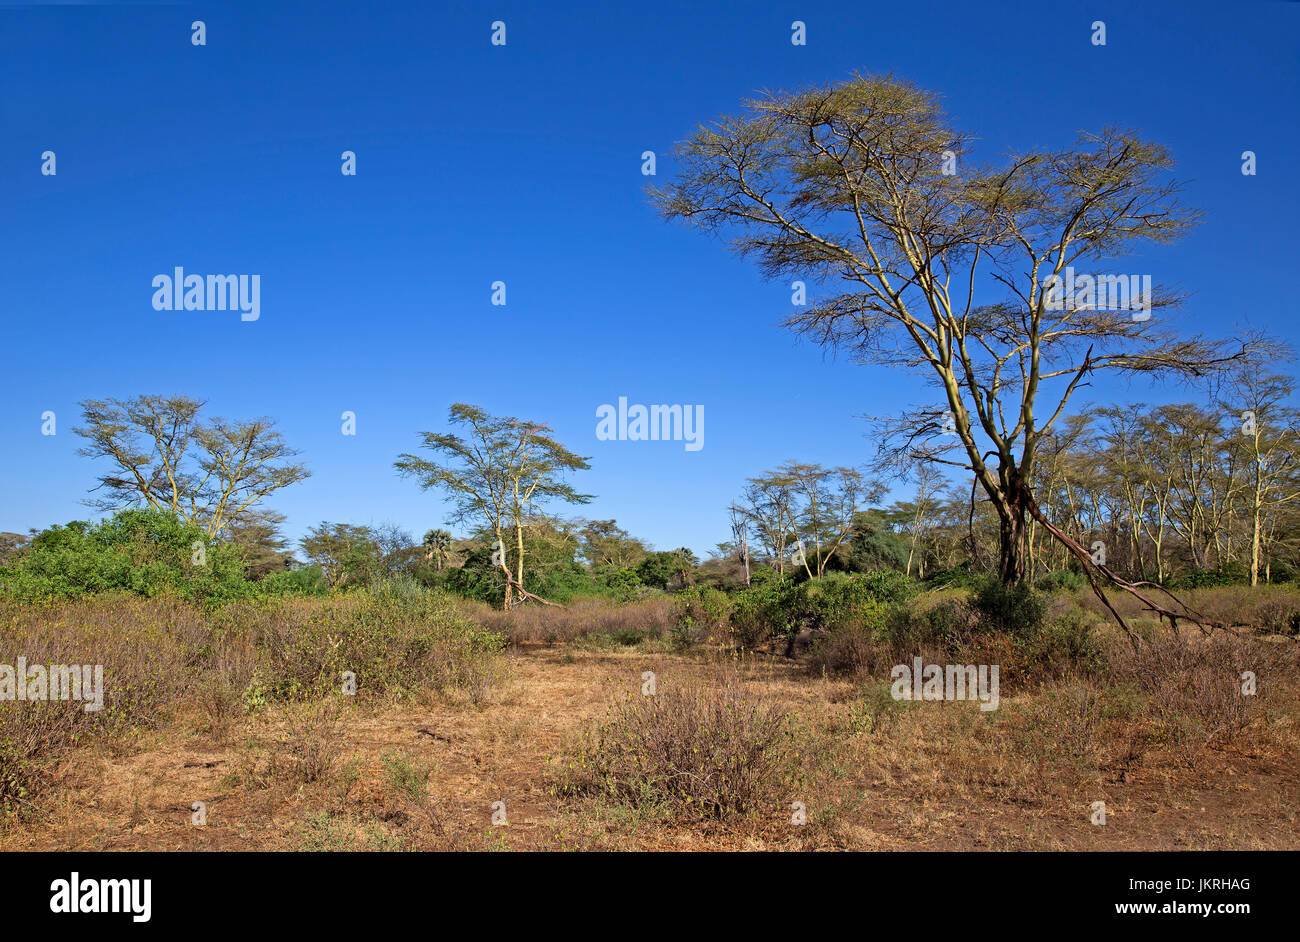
x=505 y=568
x=519 y=559
x=1255 y=541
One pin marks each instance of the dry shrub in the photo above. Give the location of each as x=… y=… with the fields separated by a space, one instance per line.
x=1194 y=687
x=141 y=645
x=1078 y=721
x=220 y=704
x=707 y=752
x=1267 y=608
x=395 y=644
x=628 y=623
x=159 y=654
x=851 y=650
x=309 y=747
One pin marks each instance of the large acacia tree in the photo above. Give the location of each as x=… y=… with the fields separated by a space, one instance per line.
x=212 y=473
x=949 y=273
x=497 y=475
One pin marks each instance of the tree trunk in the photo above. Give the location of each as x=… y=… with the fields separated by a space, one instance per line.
x=1012 y=532
x=1011 y=546
x=1254 y=546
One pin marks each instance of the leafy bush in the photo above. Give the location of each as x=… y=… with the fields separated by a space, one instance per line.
x=701 y=613
x=783 y=608
x=958 y=577
x=309 y=580
x=1064 y=645
x=835 y=599
x=1211 y=578
x=1068 y=580
x=145 y=552
x=1017 y=610
x=945 y=623
x=761 y=613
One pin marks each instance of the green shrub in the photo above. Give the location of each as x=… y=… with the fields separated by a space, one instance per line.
x=1211 y=578
x=1067 y=580
x=1064 y=645
x=837 y=599
x=145 y=552
x=761 y=613
x=946 y=624
x=701 y=613
x=958 y=577
x=1017 y=610
x=782 y=608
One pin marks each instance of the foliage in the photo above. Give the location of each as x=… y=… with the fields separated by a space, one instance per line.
x=146 y=552
x=1017 y=610
x=782 y=608
x=211 y=474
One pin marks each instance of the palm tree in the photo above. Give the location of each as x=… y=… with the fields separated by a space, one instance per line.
x=436 y=545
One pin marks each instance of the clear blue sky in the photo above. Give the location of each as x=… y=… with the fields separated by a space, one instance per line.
x=522 y=163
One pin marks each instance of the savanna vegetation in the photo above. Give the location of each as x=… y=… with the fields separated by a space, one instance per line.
x=514 y=675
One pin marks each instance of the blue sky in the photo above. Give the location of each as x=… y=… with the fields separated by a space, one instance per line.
x=522 y=164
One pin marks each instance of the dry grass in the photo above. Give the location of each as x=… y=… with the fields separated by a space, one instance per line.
x=161 y=656
x=1273 y=609
x=732 y=753
x=629 y=624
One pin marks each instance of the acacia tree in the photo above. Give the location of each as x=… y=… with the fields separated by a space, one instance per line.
x=1271 y=444
x=497 y=476
x=807 y=505
x=605 y=544
x=766 y=503
x=920 y=512
x=845 y=186
x=740 y=537
x=346 y=553
x=211 y=474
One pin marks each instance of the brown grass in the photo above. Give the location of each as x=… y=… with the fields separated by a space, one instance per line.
x=539 y=624
x=579 y=759
x=162 y=655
